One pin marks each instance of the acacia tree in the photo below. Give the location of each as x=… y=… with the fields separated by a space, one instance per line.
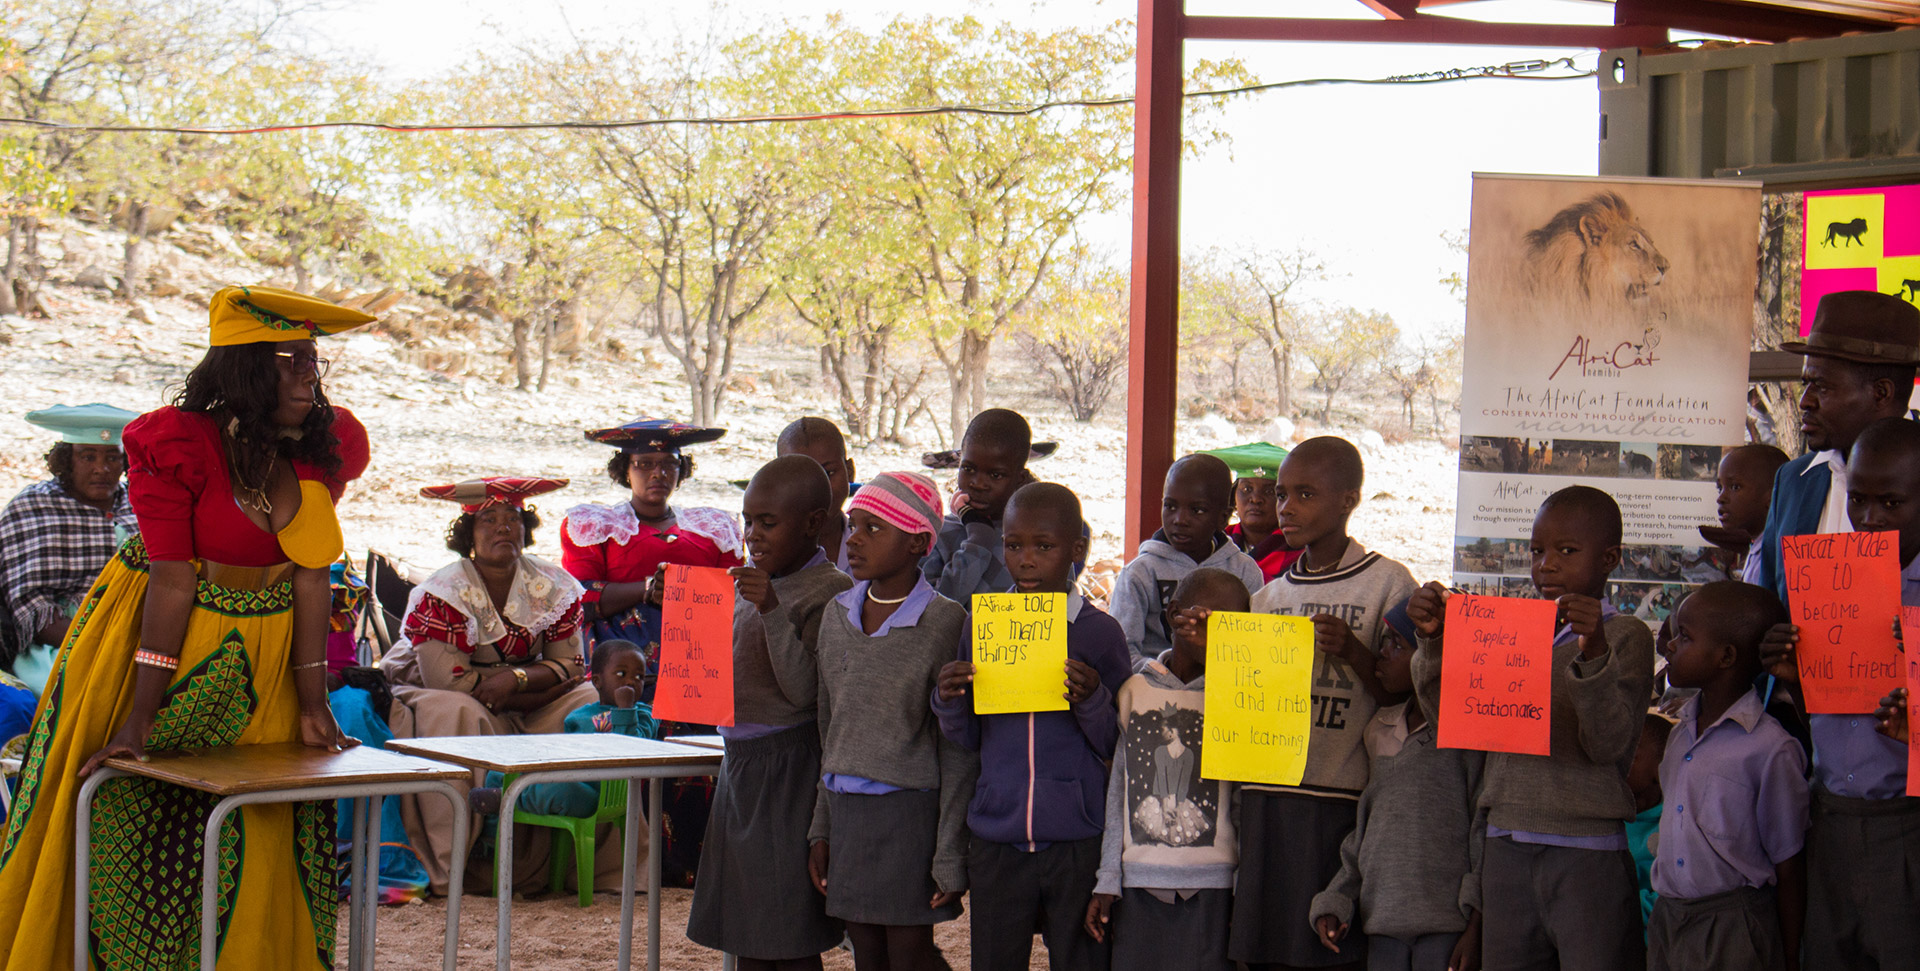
x=1344 y=343
x=700 y=211
x=1279 y=279
x=137 y=62
x=1076 y=334
x=520 y=203
x=988 y=201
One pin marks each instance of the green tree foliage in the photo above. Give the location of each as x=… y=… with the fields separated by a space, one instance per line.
x=1344 y=345
x=1076 y=333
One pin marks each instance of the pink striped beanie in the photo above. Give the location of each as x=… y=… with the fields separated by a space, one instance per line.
x=907 y=501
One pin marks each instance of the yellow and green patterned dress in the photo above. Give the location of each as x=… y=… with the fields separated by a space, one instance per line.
x=234 y=686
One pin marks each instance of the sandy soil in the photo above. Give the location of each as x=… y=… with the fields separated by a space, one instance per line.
x=553 y=933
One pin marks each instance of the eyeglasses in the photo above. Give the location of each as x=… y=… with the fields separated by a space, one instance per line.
x=305 y=361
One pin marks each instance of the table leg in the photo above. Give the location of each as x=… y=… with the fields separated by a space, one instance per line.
x=629 y=869
x=356 y=884
x=369 y=886
x=82 y=864
x=210 y=882
x=656 y=799
x=458 y=801
x=503 y=873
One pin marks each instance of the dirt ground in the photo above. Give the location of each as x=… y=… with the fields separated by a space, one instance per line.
x=554 y=933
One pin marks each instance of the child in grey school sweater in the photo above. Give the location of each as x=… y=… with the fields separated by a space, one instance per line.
x=1197 y=500
x=1408 y=871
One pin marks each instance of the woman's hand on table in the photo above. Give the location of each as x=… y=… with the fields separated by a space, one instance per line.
x=319 y=730
x=129 y=741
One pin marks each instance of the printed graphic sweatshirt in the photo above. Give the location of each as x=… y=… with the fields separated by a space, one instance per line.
x=1359 y=590
x=1167 y=828
x=1043 y=775
x=1141 y=592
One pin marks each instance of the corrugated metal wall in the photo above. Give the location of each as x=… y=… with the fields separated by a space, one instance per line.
x=1804 y=114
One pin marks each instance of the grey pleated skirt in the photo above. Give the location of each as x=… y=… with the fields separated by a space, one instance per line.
x=880 y=867
x=752 y=897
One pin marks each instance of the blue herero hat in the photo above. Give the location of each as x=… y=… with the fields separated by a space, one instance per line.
x=654 y=435
x=94 y=424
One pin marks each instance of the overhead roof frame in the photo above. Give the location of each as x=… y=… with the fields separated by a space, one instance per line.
x=1164 y=28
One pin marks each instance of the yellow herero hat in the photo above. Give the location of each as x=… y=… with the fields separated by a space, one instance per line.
x=255 y=315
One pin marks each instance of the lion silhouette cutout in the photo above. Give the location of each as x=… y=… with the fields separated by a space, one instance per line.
x=1594 y=251
x=1848 y=232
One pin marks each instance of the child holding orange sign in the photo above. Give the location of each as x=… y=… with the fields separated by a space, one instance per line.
x=753 y=897
x=1863 y=844
x=1036 y=811
x=1557 y=882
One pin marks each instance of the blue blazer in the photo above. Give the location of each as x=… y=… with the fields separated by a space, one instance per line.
x=1799 y=495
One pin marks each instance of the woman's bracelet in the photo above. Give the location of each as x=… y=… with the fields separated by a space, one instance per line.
x=310 y=664
x=155 y=659
x=519 y=679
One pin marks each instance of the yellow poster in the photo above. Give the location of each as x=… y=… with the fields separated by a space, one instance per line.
x=1019 y=652
x=1258 y=710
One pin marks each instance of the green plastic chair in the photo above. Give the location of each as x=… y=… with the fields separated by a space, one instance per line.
x=613 y=809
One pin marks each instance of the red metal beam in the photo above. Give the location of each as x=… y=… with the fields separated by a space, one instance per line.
x=1422 y=29
x=1393 y=9
x=1153 y=327
x=1743 y=20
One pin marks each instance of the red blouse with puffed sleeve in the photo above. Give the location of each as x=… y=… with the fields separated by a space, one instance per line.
x=182 y=494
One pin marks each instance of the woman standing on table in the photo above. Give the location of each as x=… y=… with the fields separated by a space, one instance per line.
x=617 y=549
x=491 y=647
x=207 y=629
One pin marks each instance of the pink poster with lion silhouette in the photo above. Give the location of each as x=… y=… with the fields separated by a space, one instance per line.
x=1608 y=327
x=1860 y=239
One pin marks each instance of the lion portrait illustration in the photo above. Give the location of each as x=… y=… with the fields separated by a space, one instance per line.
x=1595 y=251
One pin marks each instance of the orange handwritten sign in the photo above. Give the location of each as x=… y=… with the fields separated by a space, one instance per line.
x=1909 y=629
x=1496 y=675
x=1843 y=591
x=696 y=647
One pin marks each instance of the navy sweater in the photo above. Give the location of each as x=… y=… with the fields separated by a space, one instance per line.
x=1043 y=775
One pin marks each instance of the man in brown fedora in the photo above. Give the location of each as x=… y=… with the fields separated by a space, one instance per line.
x=1863 y=845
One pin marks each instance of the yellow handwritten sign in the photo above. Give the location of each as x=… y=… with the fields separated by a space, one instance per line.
x=1019 y=652
x=1258 y=706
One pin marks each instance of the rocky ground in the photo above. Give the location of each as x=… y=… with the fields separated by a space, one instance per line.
x=428 y=425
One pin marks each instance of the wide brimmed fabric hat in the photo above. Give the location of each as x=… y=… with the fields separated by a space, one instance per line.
x=257 y=315
x=950 y=459
x=1254 y=460
x=654 y=435
x=1862 y=326
x=488 y=491
x=94 y=424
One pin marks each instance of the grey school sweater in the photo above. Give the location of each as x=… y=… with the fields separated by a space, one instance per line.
x=877 y=722
x=776 y=671
x=1359 y=591
x=1141 y=592
x=1412 y=861
x=1598 y=709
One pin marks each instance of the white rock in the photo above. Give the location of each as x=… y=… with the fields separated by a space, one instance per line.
x=1279 y=431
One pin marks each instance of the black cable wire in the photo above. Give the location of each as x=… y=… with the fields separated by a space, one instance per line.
x=1513 y=71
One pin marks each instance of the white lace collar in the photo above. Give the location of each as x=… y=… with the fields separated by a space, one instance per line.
x=540 y=595
x=592 y=523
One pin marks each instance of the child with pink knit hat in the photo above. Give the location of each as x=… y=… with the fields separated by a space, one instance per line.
x=889 y=831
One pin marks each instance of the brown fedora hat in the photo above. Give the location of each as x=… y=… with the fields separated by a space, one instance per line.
x=1863 y=326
